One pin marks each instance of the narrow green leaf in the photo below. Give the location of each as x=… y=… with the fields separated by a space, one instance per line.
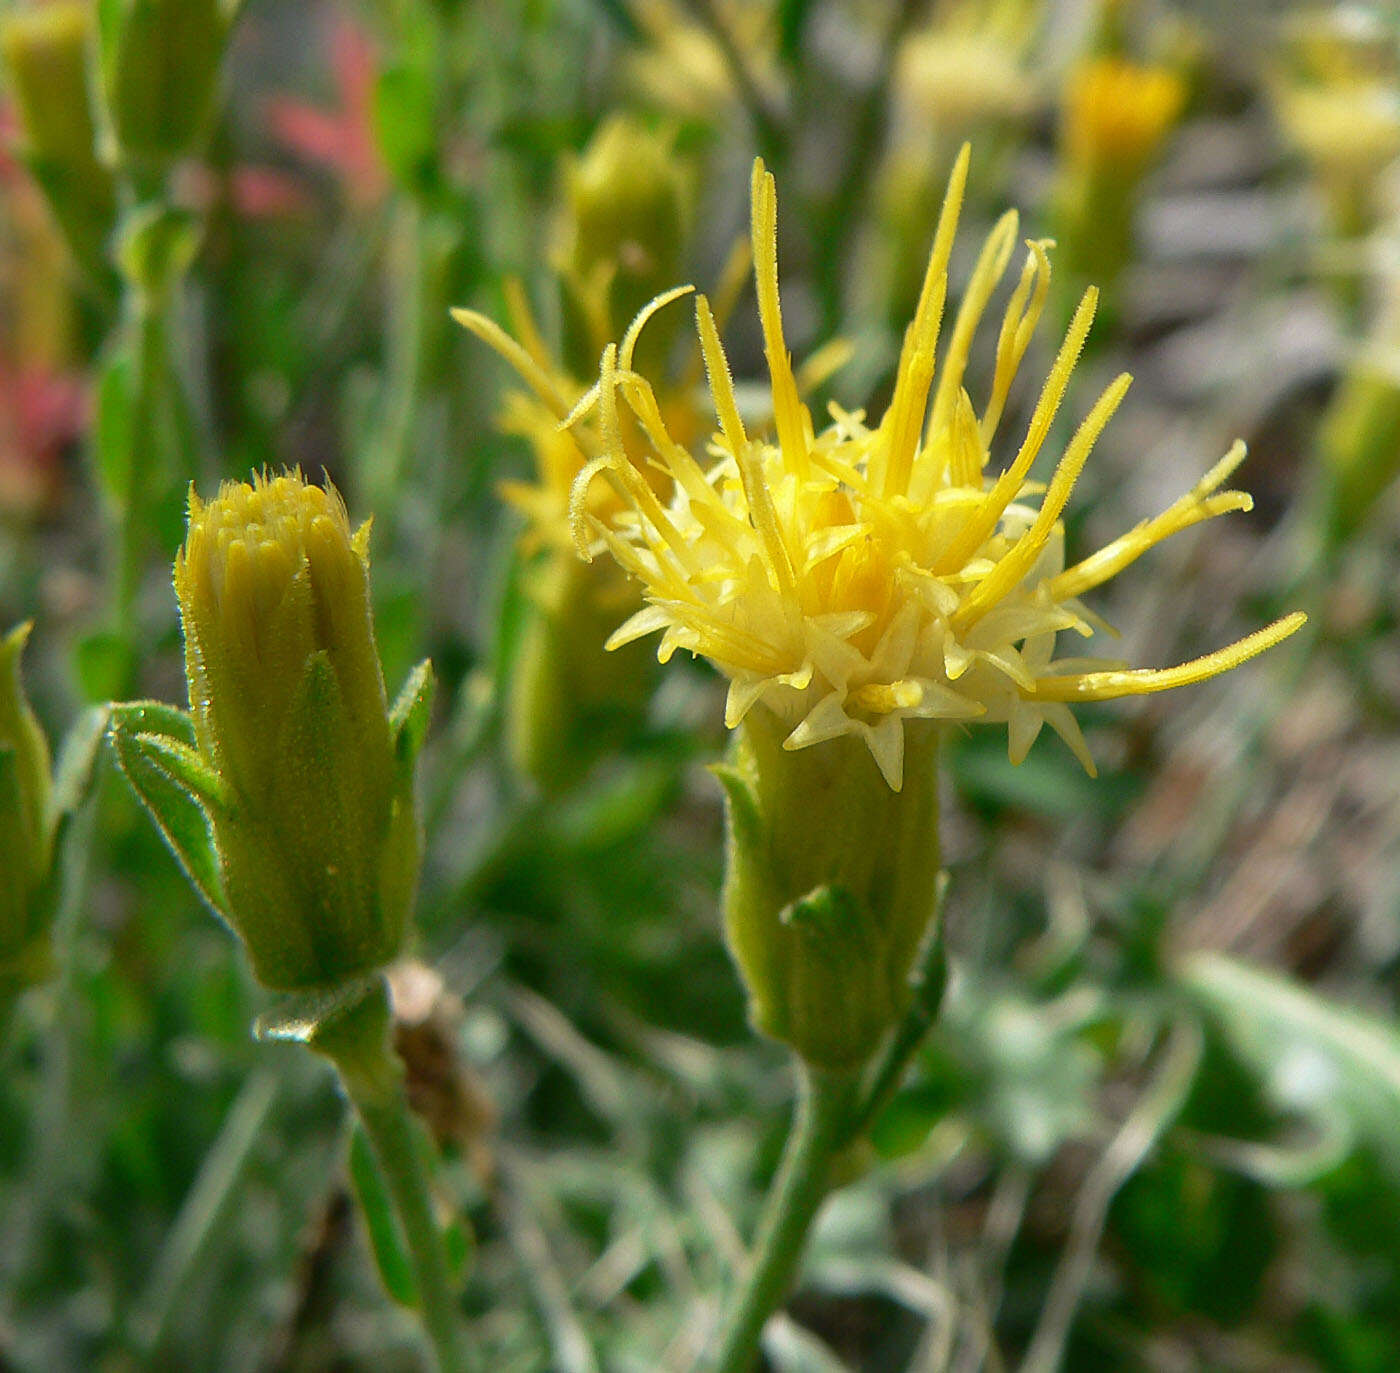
x=77 y=757
x=74 y=775
x=412 y=712
x=182 y=821
x=381 y=1224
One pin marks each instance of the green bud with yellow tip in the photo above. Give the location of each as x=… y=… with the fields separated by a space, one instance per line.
x=622 y=235
x=46 y=59
x=1116 y=116
x=160 y=63
x=287 y=794
x=831 y=885
x=26 y=823
x=46 y=51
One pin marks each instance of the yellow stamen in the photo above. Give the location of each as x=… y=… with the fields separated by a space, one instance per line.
x=903 y=422
x=1142 y=681
x=788 y=415
x=979 y=528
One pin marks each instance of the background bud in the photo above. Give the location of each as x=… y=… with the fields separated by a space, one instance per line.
x=831 y=885
x=46 y=60
x=311 y=807
x=623 y=233
x=26 y=829
x=46 y=57
x=160 y=63
x=1115 y=119
x=570 y=702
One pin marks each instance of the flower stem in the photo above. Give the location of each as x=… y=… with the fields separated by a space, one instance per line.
x=357 y=1042
x=823 y=1108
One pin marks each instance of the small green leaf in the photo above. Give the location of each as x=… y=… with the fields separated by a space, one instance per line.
x=299 y=1017
x=153 y=717
x=181 y=819
x=412 y=712
x=1335 y=1066
x=381 y=1224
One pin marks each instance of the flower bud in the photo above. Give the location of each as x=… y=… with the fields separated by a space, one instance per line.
x=831 y=884
x=623 y=232
x=1115 y=119
x=46 y=58
x=312 y=811
x=569 y=702
x=1359 y=443
x=160 y=63
x=26 y=827
x=45 y=52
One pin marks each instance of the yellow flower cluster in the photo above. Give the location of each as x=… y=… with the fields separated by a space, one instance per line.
x=857 y=577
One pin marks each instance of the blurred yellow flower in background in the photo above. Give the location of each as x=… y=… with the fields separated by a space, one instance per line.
x=1117 y=112
x=1335 y=93
x=970 y=66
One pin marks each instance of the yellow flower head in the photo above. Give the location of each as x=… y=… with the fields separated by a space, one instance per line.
x=853 y=578
x=1118 y=112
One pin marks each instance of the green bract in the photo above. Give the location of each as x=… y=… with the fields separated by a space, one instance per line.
x=831 y=885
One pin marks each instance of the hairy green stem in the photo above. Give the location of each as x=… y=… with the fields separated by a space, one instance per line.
x=357 y=1042
x=147 y=323
x=823 y=1113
